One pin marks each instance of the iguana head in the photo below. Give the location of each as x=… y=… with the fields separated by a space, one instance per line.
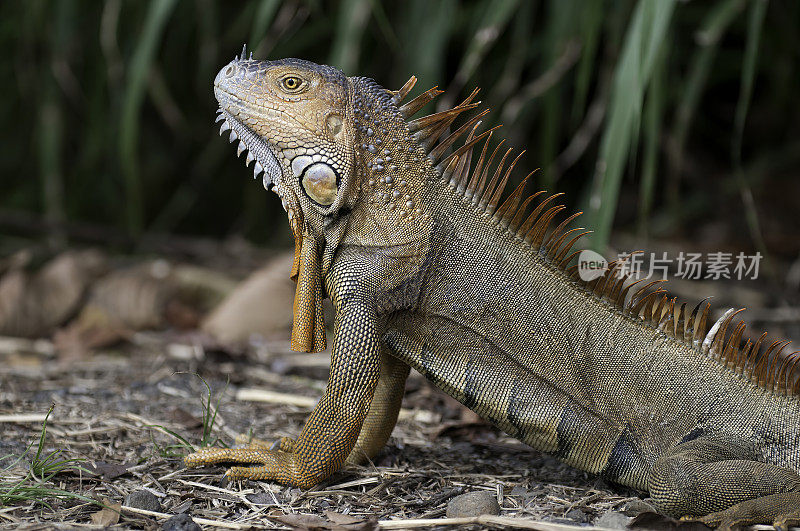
x=290 y=117
x=347 y=161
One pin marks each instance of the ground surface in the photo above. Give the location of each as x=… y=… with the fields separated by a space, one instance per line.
x=121 y=411
x=107 y=407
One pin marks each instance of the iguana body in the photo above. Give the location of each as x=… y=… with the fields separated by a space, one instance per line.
x=393 y=223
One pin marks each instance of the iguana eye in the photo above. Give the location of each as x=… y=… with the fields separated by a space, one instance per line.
x=292 y=83
x=319 y=182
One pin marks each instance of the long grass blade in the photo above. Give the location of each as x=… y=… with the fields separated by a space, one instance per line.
x=425 y=31
x=50 y=133
x=350 y=25
x=265 y=14
x=561 y=28
x=157 y=15
x=755 y=24
x=643 y=41
x=496 y=16
x=653 y=114
x=591 y=21
x=714 y=27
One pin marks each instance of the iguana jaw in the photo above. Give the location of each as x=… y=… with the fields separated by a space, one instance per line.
x=262 y=152
x=256 y=148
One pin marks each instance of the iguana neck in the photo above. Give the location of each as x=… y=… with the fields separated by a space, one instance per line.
x=392 y=173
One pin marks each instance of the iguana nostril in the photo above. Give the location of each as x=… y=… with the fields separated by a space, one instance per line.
x=229 y=71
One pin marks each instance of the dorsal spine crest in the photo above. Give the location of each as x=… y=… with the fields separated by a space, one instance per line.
x=771 y=369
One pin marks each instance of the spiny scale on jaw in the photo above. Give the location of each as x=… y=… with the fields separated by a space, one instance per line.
x=258 y=169
x=771 y=369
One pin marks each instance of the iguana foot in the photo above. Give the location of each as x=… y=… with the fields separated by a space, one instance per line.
x=781 y=510
x=274 y=459
x=784 y=522
x=722 y=478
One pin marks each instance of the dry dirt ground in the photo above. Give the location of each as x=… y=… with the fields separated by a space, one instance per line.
x=120 y=411
x=127 y=414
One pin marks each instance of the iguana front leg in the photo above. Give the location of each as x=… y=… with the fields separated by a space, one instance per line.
x=379 y=423
x=725 y=481
x=377 y=426
x=331 y=432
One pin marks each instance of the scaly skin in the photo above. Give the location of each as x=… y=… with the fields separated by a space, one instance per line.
x=425 y=271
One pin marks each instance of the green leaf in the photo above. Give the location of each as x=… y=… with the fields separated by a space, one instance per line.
x=643 y=40
x=265 y=13
x=157 y=15
x=653 y=115
x=714 y=26
x=755 y=24
x=350 y=25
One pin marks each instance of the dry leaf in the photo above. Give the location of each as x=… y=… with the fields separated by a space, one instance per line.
x=146 y=296
x=354 y=523
x=303 y=522
x=135 y=297
x=108 y=515
x=32 y=304
x=89 y=331
x=108 y=471
x=178 y=415
x=261 y=498
x=335 y=522
x=261 y=304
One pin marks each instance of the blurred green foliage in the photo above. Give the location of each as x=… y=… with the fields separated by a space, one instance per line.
x=656 y=113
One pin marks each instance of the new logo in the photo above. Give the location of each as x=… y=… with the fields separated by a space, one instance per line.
x=591 y=265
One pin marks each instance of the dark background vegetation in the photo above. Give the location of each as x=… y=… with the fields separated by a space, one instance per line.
x=662 y=119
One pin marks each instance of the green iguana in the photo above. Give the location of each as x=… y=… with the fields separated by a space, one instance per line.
x=426 y=269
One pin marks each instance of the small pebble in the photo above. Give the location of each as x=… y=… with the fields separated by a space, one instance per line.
x=576 y=515
x=181 y=522
x=143 y=499
x=473 y=504
x=613 y=520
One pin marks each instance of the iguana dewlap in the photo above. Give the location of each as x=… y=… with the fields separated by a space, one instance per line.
x=427 y=269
